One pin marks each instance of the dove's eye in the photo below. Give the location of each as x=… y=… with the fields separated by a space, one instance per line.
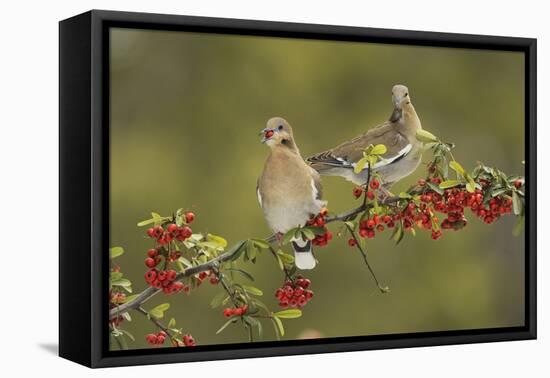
x=406 y=94
x=280 y=127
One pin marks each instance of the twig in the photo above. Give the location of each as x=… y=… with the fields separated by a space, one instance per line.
x=141 y=310
x=383 y=289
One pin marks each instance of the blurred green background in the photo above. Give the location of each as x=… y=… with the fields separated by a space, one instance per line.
x=185 y=115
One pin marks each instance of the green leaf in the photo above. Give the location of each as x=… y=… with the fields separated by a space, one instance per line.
x=218 y=240
x=241 y=272
x=434 y=187
x=289 y=235
x=457 y=168
x=225 y=325
x=360 y=165
x=278 y=326
x=252 y=290
x=470 y=187
x=158 y=312
x=172 y=323
x=425 y=136
x=285 y=257
x=115 y=276
x=115 y=252
x=250 y=251
x=123 y=282
x=518 y=227
x=236 y=250
x=308 y=233
x=260 y=243
x=517 y=205
x=218 y=299
x=289 y=314
x=130 y=298
x=449 y=184
x=404 y=195
x=379 y=149
x=398 y=233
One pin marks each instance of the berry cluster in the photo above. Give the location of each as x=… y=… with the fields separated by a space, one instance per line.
x=214 y=280
x=117 y=298
x=359 y=190
x=422 y=215
x=156 y=339
x=187 y=340
x=172 y=232
x=229 y=312
x=319 y=221
x=165 y=280
x=294 y=293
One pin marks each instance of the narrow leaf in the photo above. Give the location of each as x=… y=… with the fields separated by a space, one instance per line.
x=289 y=314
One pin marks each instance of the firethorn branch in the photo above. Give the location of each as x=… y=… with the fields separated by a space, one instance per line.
x=486 y=191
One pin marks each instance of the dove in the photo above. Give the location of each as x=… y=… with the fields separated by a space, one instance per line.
x=398 y=134
x=289 y=190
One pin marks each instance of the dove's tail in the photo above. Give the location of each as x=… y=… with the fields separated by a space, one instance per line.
x=303 y=254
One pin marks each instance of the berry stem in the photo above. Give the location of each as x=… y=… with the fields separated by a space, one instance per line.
x=383 y=289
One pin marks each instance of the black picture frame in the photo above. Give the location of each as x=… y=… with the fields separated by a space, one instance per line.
x=84 y=195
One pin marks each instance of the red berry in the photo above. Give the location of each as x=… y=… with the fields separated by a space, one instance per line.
x=352 y=242
x=228 y=312
x=371 y=223
x=370 y=195
x=160 y=339
x=374 y=184
x=150 y=262
x=161 y=276
x=151 y=339
x=380 y=227
x=172 y=227
x=357 y=191
x=363 y=232
x=150 y=275
x=151 y=232
x=518 y=183
x=189 y=217
x=152 y=252
x=171 y=275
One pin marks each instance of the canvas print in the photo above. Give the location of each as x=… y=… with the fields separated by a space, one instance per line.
x=266 y=189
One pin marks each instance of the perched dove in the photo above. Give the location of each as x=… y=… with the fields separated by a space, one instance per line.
x=398 y=134
x=289 y=191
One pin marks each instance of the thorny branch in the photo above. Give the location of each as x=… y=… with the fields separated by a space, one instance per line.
x=146 y=294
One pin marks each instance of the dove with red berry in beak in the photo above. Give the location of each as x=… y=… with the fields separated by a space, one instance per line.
x=289 y=191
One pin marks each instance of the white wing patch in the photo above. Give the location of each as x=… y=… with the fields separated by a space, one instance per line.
x=314 y=190
x=383 y=162
x=259 y=196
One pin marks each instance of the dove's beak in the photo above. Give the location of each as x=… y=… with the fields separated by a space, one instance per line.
x=267 y=134
x=396 y=100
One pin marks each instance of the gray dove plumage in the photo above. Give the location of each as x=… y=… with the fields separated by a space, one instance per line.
x=398 y=134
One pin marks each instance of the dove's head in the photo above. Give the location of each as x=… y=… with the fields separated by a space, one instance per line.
x=278 y=133
x=400 y=96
